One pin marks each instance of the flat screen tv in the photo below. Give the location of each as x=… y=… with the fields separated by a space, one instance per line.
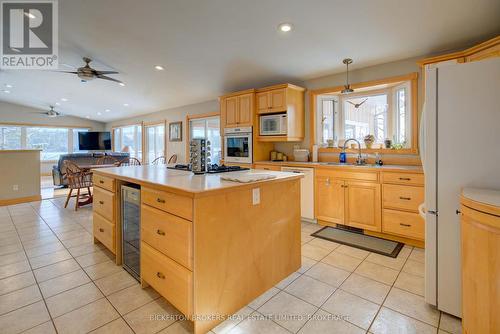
x=94 y=141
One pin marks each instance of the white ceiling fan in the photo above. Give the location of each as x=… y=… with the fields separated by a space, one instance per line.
x=52 y=113
x=87 y=73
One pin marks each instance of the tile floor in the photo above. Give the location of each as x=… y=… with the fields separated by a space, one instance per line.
x=53 y=279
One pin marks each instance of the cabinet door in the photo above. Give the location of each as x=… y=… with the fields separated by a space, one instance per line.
x=231 y=110
x=277 y=99
x=363 y=205
x=245 y=114
x=330 y=200
x=263 y=103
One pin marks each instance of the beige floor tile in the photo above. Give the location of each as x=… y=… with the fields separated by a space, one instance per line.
x=43 y=250
x=390 y=262
x=412 y=305
x=342 y=261
x=179 y=327
x=65 y=235
x=48 y=259
x=328 y=274
x=283 y=305
x=450 y=323
x=103 y=269
x=412 y=283
x=19 y=298
x=12 y=248
x=16 y=282
x=31 y=315
x=351 y=308
x=377 y=272
x=314 y=252
x=389 y=321
x=131 y=298
x=64 y=282
x=72 y=299
x=414 y=267
x=285 y=282
x=352 y=251
x=115 y=282
x=262 y=299
x=310 y=227
x=56 y=269
x=140 y=319
x=118 y=326
x=306 y=264
x=94 y=258
x=257 y=323
x=227 y=325
x=325 y=323
x=418 y=254
x=366 y=288
x=78 y=241
x=327 y=244
x=305 y=237
x=40 y=242
x=85 y=249
x=14 y=269
x=310 y=290
x=45 y=328
x=86 y=318
x=12 y=258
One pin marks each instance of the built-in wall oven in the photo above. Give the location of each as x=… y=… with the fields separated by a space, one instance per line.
x=238 y=145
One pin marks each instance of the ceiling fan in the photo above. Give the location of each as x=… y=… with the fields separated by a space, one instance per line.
x=87 y=73
x=52 y=113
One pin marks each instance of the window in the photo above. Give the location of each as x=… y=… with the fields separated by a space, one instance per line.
x=10 y=137
x=209 y=129
x=402 y=117
x=155 y=141
x=128 y=139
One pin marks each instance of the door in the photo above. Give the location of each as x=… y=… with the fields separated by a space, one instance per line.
x=245 y=107
x=231 y=111
x=330 y=199
x=263 y=103
x=155 y=142
x=363 y=205
x=277 y=99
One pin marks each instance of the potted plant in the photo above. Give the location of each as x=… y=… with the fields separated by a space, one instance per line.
x=369 y=140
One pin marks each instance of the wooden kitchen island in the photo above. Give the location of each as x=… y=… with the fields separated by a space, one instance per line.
x=208 y=246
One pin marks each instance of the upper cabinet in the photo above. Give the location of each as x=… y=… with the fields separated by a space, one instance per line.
x=271 y=101
x=237 y=109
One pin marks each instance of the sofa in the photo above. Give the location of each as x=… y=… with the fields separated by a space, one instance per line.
x=59 y=172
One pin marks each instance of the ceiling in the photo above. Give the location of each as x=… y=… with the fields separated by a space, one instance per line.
x=213 y=47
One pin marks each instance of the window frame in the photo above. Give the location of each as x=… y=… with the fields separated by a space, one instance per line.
x=145 y=141
x=188 y=128
x=140 y=146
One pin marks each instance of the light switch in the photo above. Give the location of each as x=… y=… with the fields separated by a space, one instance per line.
x=256 y=196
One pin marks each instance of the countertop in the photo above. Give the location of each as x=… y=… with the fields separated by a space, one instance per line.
x=398 y=168
x=183 y=181
x=488 y=197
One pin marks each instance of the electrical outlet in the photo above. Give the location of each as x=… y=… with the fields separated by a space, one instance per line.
x=256 y=196
x=15 y=187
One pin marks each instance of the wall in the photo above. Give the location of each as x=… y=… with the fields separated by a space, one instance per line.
x=25 y=175
x=14 y=113
x=172 y=115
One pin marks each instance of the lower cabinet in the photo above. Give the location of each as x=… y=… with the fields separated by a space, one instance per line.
x=330 y=199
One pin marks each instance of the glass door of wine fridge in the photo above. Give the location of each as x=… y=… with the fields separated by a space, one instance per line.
x=131 y=229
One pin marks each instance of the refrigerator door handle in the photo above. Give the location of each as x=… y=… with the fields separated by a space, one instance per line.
x=432 y=212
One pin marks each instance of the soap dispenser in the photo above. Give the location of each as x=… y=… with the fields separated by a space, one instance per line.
x=343 y=156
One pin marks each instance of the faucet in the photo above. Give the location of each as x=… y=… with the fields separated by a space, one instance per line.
x=359 y=160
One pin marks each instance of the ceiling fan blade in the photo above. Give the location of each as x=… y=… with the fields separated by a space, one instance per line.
x=71 y=72
x=105 y=72
x=107 y=78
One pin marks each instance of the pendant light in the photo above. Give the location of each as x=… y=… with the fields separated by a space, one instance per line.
x=347 y=87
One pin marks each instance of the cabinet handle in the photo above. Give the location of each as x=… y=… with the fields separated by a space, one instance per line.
x=160 y=232
x=160 y=275
x=101 y=181
x=458 y=212
x=160 y=200
x=405 y=225
x=405 y=179
x=101 y=230
x=405 y=198
x=101 y=202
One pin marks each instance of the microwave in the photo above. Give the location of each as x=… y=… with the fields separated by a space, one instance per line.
x=273 y=125
x=238 y=145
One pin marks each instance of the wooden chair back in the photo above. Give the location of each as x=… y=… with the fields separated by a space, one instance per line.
x=107 y=160
x=173 y=159
x=159 y=161
x=130 y=162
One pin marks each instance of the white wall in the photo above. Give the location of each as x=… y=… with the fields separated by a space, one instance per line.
x=172 y=115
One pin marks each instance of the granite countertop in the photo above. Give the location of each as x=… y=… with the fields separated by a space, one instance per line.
x=402 y=168
x=484 y=196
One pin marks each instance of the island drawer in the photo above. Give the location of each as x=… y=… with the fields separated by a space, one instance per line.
x=104 y=203
x=402 y=197
x=168 y=278
x=104 y=182
x=104 y=231
x=347 y=174
x=169 y=234
x=415 y=179
x=178 y=205
x=405 y=224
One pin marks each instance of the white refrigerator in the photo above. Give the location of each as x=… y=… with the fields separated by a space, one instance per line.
x=460 y=147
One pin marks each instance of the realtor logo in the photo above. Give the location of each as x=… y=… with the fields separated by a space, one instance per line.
x=29 y=35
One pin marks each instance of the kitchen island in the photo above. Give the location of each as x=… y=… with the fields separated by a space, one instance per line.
x=208 y=246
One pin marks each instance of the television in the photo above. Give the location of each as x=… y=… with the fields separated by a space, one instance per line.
x=94 y=141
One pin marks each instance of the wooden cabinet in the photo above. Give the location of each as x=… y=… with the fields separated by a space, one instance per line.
x=480 y=235
x=237 y=109
x=175 y=204
x=330 y=199
x=271 y=101
x=105 y=213
x=363 y=205
x=104 y=231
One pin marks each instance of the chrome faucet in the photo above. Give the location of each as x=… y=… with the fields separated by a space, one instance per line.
x=359 y=160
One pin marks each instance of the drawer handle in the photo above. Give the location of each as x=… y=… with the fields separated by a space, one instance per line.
x=405 y=179
x=101 y=202
x=101 y=230
x=160 y=200
x=101 y=181
x=160 y=232
x=405 y=198
x=405 y=225
x=160 y=275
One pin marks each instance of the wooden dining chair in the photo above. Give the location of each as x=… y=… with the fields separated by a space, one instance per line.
x=159 y=161
x=78 y=179
x=107 y=160
x=130 y=162
x=173 y=159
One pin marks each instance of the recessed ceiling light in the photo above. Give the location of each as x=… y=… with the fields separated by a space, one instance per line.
x=64 y=99
x=107 y=110
x=8 y=85
x=159 y=68
x=6 y=91
x=122 y=84
x=125 y=104
x=285 y=27
x=58 y=104
x=99 y=113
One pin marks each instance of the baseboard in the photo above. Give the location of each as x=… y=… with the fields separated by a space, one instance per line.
x=35 y=198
